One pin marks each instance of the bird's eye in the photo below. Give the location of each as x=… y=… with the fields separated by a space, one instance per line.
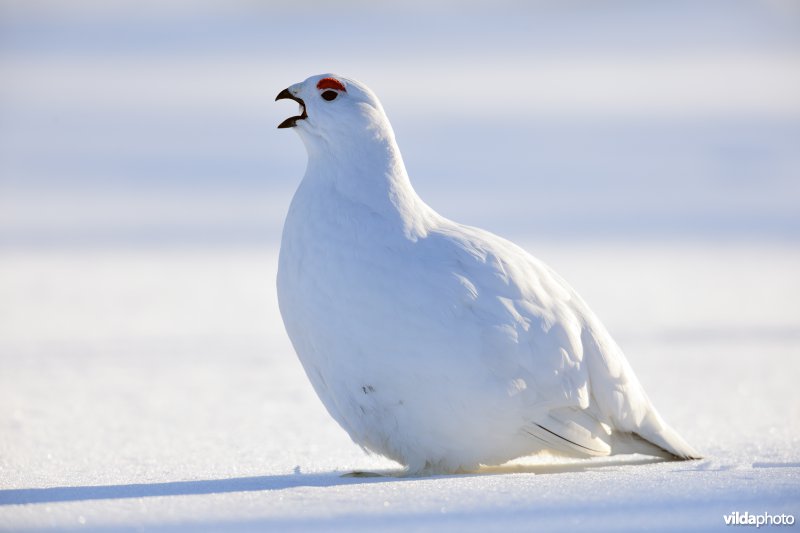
x=330 y=95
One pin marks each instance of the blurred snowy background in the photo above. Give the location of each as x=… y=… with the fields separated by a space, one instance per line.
x=650 y=152
x=131 y=122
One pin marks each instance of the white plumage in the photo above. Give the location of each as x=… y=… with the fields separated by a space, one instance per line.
x=441 y=346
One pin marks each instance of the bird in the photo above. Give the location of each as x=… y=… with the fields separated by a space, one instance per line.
x=438 y=345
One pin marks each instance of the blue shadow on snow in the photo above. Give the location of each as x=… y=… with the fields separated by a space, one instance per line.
x=274 y=482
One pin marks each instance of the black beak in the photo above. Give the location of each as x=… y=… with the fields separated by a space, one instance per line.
x=291 y=122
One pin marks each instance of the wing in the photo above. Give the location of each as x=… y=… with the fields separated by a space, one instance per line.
x=579 y=393
x=530 y=326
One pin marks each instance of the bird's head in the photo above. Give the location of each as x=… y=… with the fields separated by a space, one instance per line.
x=335 y=110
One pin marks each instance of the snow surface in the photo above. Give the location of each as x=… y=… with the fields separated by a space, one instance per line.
x=157 y=388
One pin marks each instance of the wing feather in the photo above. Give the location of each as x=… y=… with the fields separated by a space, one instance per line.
x=582 y=397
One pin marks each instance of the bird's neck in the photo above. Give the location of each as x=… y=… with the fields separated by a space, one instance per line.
x=369 y=175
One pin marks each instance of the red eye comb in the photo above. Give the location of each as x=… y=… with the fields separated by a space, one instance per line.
x=330 y=83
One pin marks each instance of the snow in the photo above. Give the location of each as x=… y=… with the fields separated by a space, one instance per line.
x=146 y=381
x=156 y=387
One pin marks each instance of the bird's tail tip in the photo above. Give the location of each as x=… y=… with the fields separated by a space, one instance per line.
x=655 y=437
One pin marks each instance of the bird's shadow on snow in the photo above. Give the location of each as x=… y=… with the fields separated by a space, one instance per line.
x=281 y=482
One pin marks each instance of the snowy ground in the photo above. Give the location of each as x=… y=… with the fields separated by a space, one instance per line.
x=646 y=151
x=156 y=388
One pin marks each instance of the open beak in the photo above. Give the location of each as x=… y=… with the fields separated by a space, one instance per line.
x=291 y=122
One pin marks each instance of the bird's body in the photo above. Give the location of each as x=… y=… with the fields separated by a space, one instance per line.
x=441 y=346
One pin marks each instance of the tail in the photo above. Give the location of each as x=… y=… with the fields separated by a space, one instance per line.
x=654 y=437
x=620 y=400
x=576 y=433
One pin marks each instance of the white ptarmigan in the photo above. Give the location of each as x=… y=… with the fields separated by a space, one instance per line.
x=439 y=345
